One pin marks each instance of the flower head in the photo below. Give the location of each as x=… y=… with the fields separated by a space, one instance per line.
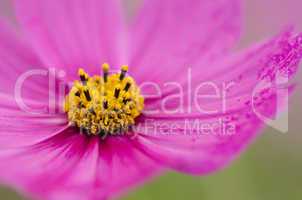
x=104 y=105
x=184 y=103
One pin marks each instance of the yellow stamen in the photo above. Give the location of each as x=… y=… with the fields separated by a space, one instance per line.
x=105 y=67
x=125 y=68
x=83 y=76
x=104 y=105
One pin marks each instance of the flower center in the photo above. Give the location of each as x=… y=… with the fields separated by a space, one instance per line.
x=104 y=105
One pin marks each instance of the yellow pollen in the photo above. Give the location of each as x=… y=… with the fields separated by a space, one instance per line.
x=125 y=68
x=105 y=67
x=104 y=105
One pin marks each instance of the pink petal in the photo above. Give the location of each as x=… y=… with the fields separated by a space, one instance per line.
x=77 y=167
x=16 y=59
x=236 y=75
x=71 y=34
x=173 y=34
x=20 y=127
x=174 y=141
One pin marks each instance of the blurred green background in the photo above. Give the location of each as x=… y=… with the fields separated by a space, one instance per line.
x=271 y=168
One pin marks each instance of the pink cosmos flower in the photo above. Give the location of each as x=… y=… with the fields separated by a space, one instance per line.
x=198 y=107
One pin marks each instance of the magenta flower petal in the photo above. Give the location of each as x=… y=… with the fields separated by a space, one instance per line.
x=16 y=58
x=16 y=125
x=176 y=141
x=46 y=155
x=77 y=167
x=163 y=36
x=44 y=144
x=70 y=34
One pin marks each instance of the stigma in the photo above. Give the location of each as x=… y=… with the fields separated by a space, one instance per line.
x=104 y=105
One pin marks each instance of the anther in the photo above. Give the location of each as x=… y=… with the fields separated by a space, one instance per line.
x=91 y=110
x=80 y=105
x=125 y=101
x=106 y=68
x=124 y=70
x=105 y=104
x=117 y=92
x=127 y=87
x=87 y=95
x=83 y=76
x=78 y=94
